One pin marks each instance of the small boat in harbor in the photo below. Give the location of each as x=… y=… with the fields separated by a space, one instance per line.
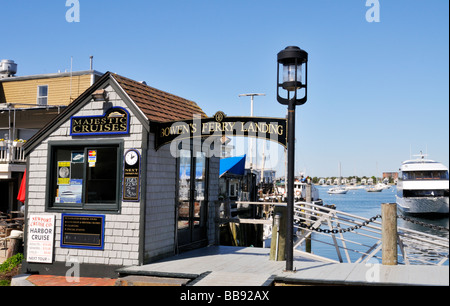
x=375 y=188
x=337 y=190
x=378 y=187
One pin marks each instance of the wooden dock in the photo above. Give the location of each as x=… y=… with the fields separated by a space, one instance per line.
x=243 y=266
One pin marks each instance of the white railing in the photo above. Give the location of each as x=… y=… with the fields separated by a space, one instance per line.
x=351 y=234
x=11 y=152
x=354 y=239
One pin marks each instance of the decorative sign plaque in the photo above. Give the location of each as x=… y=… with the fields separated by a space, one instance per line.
x=116 y=120
x=273 y=129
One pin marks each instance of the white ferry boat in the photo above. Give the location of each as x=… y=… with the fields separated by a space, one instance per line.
x=423 y=187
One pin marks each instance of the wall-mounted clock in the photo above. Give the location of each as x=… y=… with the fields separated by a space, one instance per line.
x=131 y=157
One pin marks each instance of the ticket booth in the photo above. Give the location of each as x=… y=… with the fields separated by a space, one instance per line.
x=102 y=195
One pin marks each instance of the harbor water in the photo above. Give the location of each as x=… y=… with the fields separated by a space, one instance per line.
x=368 y=204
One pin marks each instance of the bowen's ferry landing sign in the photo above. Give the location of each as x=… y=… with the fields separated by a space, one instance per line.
x=220 y=125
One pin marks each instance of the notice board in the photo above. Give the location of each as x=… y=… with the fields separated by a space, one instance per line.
x=82 y=231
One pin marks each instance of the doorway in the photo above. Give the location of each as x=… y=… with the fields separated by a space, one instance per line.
x=192 y=200
x=8 y=194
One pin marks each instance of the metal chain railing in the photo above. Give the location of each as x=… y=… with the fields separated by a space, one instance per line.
x=415 y=246
x=364 y=223
x=432 y=226
x=336 y=231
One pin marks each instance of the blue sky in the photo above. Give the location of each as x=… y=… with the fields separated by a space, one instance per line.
x=376 y=90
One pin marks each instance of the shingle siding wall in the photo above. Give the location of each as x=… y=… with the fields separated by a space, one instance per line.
x=160 y=202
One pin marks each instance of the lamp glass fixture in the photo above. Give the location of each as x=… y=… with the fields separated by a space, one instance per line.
x=289 y=74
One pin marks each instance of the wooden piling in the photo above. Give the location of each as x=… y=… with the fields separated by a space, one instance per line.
x=278 y=253
x=389 y=233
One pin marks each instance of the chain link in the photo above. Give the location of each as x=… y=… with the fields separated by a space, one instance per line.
x=432 y=226
x=336 y=231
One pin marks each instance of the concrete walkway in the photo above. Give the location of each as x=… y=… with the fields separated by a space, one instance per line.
x=365 y=275
x=237 y=266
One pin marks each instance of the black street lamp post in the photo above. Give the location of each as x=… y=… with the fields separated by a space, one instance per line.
x=293 y=59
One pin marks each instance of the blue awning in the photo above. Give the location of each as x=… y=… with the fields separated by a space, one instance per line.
x=232 y=165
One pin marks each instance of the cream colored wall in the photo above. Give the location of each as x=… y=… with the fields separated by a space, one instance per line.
x=61 y=91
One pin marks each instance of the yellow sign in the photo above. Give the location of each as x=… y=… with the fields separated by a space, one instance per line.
x=63 y=173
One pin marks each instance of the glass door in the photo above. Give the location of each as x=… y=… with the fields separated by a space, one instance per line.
x=192 y=195
x=184 y=196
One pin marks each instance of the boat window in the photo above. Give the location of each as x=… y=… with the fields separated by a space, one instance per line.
x=425 y=175
x=423 y=193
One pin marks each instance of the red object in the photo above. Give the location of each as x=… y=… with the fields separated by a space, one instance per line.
x=23 y=188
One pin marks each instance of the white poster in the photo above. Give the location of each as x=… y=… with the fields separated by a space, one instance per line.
x=40 y=238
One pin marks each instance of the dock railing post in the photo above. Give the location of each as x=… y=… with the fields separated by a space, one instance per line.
x=389 y=233
x=308 y=219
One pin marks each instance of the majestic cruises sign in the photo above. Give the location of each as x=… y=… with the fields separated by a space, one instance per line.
x=115 y=121
x=273 y=129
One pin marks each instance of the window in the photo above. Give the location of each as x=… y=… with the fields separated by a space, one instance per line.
x=42 y=95
x=425 y=175
x=85 y=176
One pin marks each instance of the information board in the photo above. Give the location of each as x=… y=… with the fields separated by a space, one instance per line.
x=82 y=231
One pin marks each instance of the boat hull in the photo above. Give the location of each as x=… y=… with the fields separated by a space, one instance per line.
x=423 y=205
x=337 y=191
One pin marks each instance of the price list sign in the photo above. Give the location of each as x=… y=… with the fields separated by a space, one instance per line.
x=40 y=238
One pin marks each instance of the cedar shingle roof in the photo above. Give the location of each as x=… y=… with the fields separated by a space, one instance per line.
x=158 y=105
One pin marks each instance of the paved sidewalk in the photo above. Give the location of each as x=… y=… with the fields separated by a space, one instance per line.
x=241 y=266
x=50 y=280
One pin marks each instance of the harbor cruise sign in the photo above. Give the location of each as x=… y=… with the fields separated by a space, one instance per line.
x=220 y=125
